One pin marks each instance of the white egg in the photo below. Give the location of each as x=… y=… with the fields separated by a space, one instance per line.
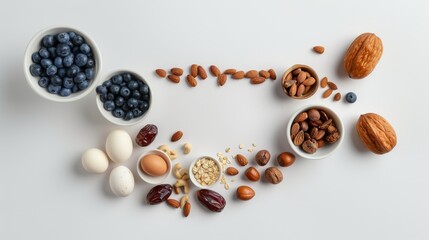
x=121 y=181
x=119 y=146
x=95 y=161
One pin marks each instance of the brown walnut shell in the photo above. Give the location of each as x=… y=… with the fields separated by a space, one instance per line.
x=376 y=133
x=363 y=55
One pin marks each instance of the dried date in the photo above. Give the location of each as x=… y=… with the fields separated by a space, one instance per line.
x=146 y=135
x=211 y=200
x=159 y=193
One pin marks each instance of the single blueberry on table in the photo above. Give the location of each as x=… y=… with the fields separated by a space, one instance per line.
x=110 y=96
x=68 y=60
x=125 y=92
x=117 y=79
x=54 y=89
x=64 y=92
x=132 y=102
x=127 y=77
x=119 y=113
x=48 y=41
x=52 y=52
x=68 y=82
x=101 y=89
x=119 y=101
x=35 y=57
x=136 y=94
x=84 y=48
x=107 y=83
x=77 y=40
x=46 y=62
x=51 y=70
x=43 y=82
x=90 y=63
x=63 y=37
x=35 y=69
x=109 y=105
x=128 y=116
x=115 y=89
x=83 y=85
x=58 y=61
x=133 y=85
x=81 y=59
x=63 y=50
x=56 y=80
x=351 y=97
x=80 y=77
x=43 y=52
x=137 y=112
x=89 y=72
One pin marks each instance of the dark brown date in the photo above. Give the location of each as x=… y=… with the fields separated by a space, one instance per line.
x=211 y=200
x=146 y=135
x=159 y=193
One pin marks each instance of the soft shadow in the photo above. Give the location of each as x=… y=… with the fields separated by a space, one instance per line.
x=106 y=185
x=278 y=90
x=90 y=110
x=340 y=71
x=357 y=143
x=78 y=168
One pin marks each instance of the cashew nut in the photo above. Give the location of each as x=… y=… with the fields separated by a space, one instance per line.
x=176 y=190
x=176 y=170
x=171 y=153
x=187 y=147
x=184 y=200
x=183 y=183
x=164 y=148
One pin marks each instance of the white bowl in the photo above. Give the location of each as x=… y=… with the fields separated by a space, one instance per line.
x=192 y=177
x=326 y=150
x=151 y=179
x=119 y=121
x=35 y=45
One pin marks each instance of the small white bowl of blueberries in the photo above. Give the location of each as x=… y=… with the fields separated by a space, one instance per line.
x=124 y=98
x=62 y=64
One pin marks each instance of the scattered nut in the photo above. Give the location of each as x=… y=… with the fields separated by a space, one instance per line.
x=285 y=159
x=230 y=71
x=202 y=73
x=245 y=193
x=187 y=147
x=173 y=78
x=262 y=157
x=252 y=174
x=241 y=160
x=232 y=171
x=177 y=71
x=173 y=203
x=214 y=70
x=184 y=200
x=186 y=209
x=177 y=136
x=273 y=175
x=194 y=70
x=319 y=49
x=161 y=72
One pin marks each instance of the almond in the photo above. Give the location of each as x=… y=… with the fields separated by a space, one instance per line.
x=300 y=90
x=238 y=75
x=301 y=76
x=324 y=82
x=264 y=74
x=202 y=73
x=257 y=80
x=177 y=136
x=173 y=202
x=301 y=117
x=337 y=97
x=214 y=70
x=221 y=79
x=194 y=70
x=177 y=71
x=186 y=209
x=292 y=90
x=327 y=93
x=306 y=90
x=232 y=171
x=230 y=71
x=332 y=86
x=319 y=49
x=297 y=71
x=273 y=75
x=309 y=81
x=173 y=78
x=251 y=74
x=241 y=160
x=161 y=72
x=289 y=76
x=192 y=82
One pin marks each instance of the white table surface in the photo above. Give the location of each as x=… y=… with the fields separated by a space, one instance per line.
x=354 y=194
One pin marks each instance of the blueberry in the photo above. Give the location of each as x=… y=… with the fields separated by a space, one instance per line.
x=114 y=89
x=103 y=97
x=89 y=72
x=132 y=102
x=117 y=79
x=58 y=61
x=126 y=108
x=35 y=57
x=143 y=105
x=43 y=52
x=75 y=50
x=43 y=82
x=110 y=96
x=133 y=85
x=128 y=116
x=63 y=37
x=136 y=94
x=70 y=44
x=48 y=41
x=144 y=89
x=119 y=113
x=146 y=97
x=35 y=69
x=79 y=78
x=83 y=85
x=351 y=97
x=81 y=59
x=51 y=70
x=101 y=89
x=54 y=89
x=68 y=82
x=46 y=62
x=77 y=40
x=61 y=72
x=127 y=77
x=123 y=84
x=137 y=112
x=52 y=52
x=64 y=92
x=109 y=105
x=56 y=80
x=90 y=63
x=72 y=35
x=68 y=60
x=125 y=92
x=84 y=48
x=63 y=50
x=119 y=101
x=75 y=89
x=107 y=83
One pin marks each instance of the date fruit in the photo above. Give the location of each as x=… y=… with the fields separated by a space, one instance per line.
x=159 y=193
x=211 y=200
x=146 y=135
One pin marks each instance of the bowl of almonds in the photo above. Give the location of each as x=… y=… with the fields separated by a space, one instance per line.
x=300 y=81
x=315 y=132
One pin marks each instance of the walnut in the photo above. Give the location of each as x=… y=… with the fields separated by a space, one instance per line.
x=376 y=133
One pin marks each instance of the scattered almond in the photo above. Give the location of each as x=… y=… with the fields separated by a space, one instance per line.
x=192 y=82
x=251 y=74
x=232 y=171
x=161 y=72
x=273 y=75
x=319 y=49
x=337 y=97
x=194 y=70
x=177 y=136
x=327 y=93
x=214 y=70
x=221 y=79
x=264 y=74
x=173 y=202
x=230 y=71
x=186 y=209
x=257 y=80
x=202 y=73
x=238 y=75
x=324 y=82
x=177 y=71
x=173 y=78
x=332 y=86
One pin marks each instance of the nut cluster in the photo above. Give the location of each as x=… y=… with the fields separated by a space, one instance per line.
x=331 y=88
x=298 y=83
x=206 y=171
x=312 y=129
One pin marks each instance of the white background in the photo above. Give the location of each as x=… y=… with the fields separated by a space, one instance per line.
x=354 y=194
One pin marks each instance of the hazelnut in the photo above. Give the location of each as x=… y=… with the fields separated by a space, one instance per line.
x=241 y=160
x=285 y=159
x=273 y=175
x=245 y=193
x=252 y=174
x=262 y=157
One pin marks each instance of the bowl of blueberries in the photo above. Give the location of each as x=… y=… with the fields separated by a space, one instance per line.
x=124 y=98
x=62 y=64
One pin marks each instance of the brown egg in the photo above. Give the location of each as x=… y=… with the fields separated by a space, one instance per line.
x=153 y=165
